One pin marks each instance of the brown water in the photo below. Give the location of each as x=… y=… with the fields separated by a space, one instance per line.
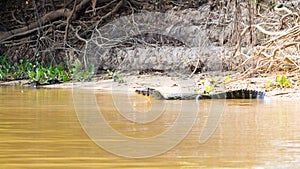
x=39 y=128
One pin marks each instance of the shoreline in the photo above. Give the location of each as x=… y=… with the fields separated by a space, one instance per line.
x=168 y=85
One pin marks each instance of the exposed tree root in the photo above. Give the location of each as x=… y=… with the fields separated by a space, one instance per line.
x=279 y=53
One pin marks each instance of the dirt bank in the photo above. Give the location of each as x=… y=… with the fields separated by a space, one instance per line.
x=179 y=84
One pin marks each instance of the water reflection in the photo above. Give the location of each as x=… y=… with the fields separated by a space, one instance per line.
x=39 y=129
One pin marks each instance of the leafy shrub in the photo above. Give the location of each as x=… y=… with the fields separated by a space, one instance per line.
x=80 y=73
x=24 y=69
x=282 y=81
x=114 y=74
x=44 y=75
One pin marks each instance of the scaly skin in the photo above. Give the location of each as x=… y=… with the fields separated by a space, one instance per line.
x=234 y=94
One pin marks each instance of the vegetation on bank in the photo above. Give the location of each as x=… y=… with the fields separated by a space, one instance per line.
x=209 y=84
x=38 y=73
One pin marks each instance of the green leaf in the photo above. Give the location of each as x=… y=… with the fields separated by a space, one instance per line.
x=268 y=82
x=208 y=89
x=31 y=74
x=227 y=78
x=65 y=78
x=59 y=67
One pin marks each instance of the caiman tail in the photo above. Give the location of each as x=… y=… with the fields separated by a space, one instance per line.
x=234 y=94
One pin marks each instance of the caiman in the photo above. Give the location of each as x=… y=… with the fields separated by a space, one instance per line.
x=233 y=94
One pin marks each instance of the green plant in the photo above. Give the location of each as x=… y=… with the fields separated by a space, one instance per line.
x=57 y=73
x=208 y=89
x=80 y=73
x=5 y=68
x=267 y=85
x=114 y=74
x=227 y=78
x=17 y=70
x=202 y=82
x=39 y=75
x=24 y=69
x=21 y=69
x=213 y=82
x=282 y=81
x=46 y=75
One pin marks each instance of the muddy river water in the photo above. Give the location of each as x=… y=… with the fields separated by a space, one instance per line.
x=60 y=128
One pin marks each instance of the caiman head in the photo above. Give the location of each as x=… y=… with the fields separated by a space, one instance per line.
x=152 y=93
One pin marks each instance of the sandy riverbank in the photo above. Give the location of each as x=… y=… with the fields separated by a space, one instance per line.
x=168 y=84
